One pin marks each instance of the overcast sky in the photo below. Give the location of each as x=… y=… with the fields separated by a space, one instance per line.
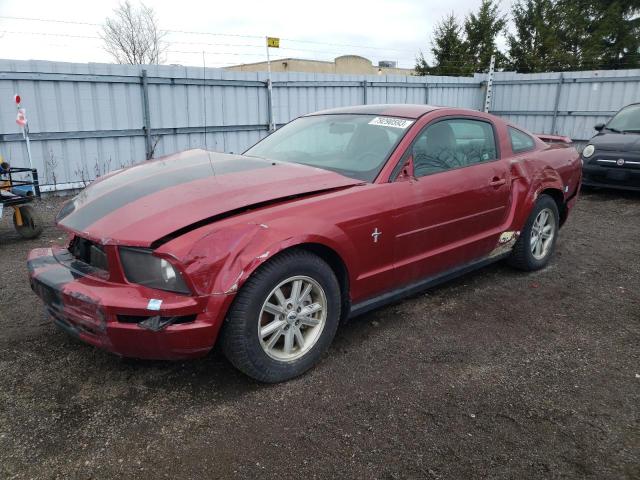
x=377 y=29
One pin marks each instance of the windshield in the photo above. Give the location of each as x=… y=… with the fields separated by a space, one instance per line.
x=626 y=120
x=356 y=146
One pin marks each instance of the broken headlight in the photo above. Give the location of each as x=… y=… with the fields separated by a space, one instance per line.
x=143 y=267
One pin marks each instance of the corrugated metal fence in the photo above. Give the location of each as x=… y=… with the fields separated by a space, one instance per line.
x=86 y=119
x=568 y=103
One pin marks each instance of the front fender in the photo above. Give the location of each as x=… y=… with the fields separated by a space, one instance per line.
x=219 y=260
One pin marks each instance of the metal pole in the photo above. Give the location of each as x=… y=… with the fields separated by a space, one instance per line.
x=25 y=128
x=145 y=113
x=272 y=123
x=25 y=132
x=204 y=98
x=557 y=103
x=426 y=94
x=36 y=182
x=364 y=92
x=489 y=93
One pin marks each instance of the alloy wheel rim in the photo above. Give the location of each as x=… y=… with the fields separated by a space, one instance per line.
x=542 y=234
x=292 y=318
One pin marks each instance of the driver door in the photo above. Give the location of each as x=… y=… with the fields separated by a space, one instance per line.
x=450 y=212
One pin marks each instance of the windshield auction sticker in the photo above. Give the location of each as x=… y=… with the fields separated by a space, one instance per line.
x=391 y=122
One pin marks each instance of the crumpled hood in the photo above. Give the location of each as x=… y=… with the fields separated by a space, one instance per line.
x=144 y=203
x=617 y=141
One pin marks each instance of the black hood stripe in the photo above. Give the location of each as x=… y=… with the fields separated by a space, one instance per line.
x=88 y=207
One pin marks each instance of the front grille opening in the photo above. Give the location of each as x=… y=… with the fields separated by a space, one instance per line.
x=140 y=318
x=89 y=252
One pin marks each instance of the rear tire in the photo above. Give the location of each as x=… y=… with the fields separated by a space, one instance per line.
x=284 y=317
x=31 y=224
x=537 y=240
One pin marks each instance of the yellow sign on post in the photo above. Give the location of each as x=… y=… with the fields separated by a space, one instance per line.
x=273 y=42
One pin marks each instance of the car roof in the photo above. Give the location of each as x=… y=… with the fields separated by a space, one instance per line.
x=392 y=110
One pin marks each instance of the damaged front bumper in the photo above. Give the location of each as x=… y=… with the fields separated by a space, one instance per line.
x=125 y=319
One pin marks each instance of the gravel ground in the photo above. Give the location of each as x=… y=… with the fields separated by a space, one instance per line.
x=499 y=374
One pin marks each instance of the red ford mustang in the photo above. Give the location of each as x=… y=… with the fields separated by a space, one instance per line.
x=336 y=213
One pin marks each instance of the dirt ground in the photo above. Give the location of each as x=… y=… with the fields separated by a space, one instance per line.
x=499 y=374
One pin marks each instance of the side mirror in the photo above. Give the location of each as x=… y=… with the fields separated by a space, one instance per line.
x=407 y=172
x=599 y=126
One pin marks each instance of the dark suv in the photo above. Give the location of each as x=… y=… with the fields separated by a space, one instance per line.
x=612 y=157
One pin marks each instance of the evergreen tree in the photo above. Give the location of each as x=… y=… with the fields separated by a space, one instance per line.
x=449 y=51
x=422 y=66
x=571 y=32
x=606 y=33
x=548 y=35
x=482 y=29
x=536 y=44
x=557 y=35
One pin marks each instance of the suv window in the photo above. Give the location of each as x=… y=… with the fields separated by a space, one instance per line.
x=454 y=143
x=520 y=141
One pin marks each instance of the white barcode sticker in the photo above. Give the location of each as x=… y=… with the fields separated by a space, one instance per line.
x=154 y=304
x=391 y=122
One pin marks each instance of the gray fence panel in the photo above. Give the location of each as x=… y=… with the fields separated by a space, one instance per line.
x=599 y=98
x=70 y=105
x=87 y=119
x=584 y=99
x=296 y=94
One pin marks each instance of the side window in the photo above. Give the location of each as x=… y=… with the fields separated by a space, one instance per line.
x=454 y=143
x=520 y=141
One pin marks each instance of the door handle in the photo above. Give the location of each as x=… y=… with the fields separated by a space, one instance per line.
x=496 y=182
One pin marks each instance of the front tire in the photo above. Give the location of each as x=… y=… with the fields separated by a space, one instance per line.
x=284 y=317
x=537 y=241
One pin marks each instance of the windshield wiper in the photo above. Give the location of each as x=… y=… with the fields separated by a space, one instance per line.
x=615 y=130
x=632 y=130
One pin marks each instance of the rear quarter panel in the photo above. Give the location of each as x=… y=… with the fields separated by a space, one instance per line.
x=548 y=167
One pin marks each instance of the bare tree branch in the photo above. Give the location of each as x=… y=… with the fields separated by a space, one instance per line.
x=132 y=35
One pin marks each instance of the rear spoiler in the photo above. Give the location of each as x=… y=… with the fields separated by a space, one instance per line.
x=554 y=138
